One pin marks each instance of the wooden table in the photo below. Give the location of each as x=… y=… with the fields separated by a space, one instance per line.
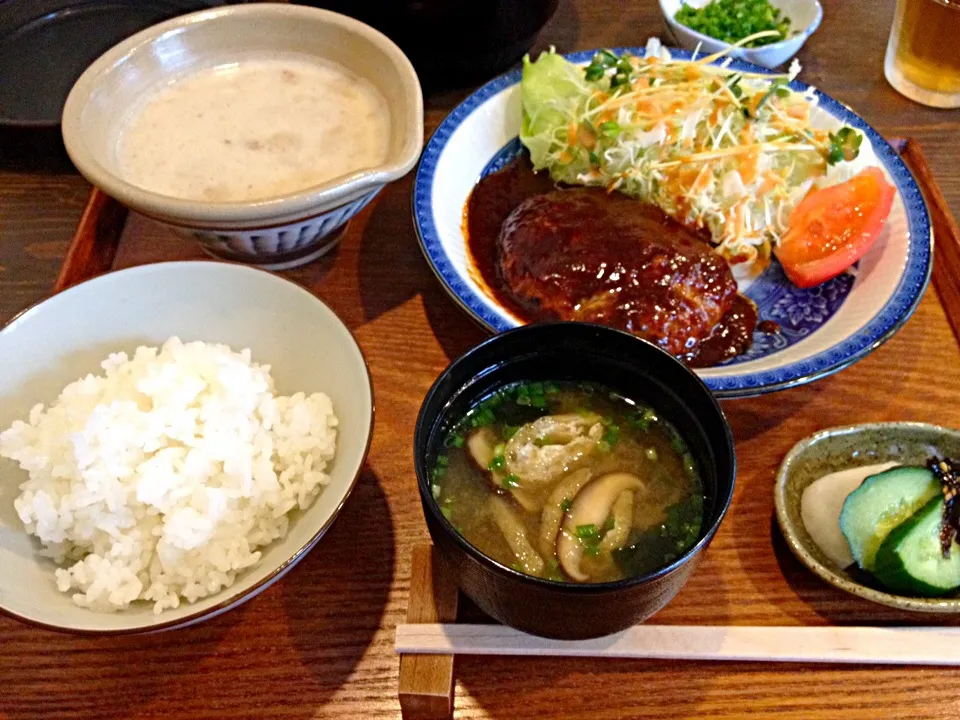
x=320 y=642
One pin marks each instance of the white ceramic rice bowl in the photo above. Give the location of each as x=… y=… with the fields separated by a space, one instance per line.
x=66 y=337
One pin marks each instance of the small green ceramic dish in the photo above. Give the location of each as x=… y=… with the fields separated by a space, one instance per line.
x=834 y=449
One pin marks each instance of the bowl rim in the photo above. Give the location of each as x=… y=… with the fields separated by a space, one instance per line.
x=781 y=45
x=420 y=446
x=238 y=598
x=303 y=203
x=931 y=605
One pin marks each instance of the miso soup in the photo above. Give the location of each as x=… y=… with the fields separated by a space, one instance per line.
x=569 y=482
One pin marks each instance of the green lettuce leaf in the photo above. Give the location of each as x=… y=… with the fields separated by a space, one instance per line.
x=553 y=90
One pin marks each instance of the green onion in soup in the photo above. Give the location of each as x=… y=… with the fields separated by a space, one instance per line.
x=569 y=482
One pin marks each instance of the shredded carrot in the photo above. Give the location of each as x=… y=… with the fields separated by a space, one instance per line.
x=798 y=111
x=749 y=167
x=646 y=107
x=702 y=180
x=771 y=181
x=586 y=137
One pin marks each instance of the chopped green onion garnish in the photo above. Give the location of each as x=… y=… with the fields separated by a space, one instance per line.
x=733 y=20
x=620 y=78
x=586 y=532
x=553 y=570
x=611 y=128
x=508 y=431
x=643 y=419
x=482 y=417
x=612 y=434
x=677 y=444
x=594 y=72
x=844 y=145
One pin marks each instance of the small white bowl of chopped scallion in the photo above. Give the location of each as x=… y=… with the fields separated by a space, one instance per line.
x=765 y=32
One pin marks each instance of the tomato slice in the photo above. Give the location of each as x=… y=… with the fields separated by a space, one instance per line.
x=834 y=227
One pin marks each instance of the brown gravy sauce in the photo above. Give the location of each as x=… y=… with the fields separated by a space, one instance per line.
x=498 y=194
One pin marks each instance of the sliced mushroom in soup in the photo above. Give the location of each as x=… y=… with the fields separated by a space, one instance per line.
x=570 y=482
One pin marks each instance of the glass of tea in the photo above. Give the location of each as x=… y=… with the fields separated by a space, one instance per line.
x=923 y=55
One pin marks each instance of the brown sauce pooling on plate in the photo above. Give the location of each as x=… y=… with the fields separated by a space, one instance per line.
x=732 y=336
x=547 y=253
x=489 y=205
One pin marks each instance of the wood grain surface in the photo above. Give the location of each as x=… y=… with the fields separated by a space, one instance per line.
x=319 y=644
x=426 y=684
x=95 y=242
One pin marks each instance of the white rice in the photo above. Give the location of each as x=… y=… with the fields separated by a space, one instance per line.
x=160 y=479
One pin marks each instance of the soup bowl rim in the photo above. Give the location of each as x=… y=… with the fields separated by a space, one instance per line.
x=423 y=435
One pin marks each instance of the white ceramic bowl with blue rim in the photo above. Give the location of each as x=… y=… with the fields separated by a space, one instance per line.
x=805 y=17
x=823 y=329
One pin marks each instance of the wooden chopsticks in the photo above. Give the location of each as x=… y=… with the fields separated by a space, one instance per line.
x=946 y=262
x=869 y=645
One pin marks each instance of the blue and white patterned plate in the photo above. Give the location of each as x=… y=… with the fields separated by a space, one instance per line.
x=823 y=330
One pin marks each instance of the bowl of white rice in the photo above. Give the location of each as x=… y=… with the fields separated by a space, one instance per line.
x=173 y=439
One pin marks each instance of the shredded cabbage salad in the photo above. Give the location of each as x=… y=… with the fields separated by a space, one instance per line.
x=718 y=149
